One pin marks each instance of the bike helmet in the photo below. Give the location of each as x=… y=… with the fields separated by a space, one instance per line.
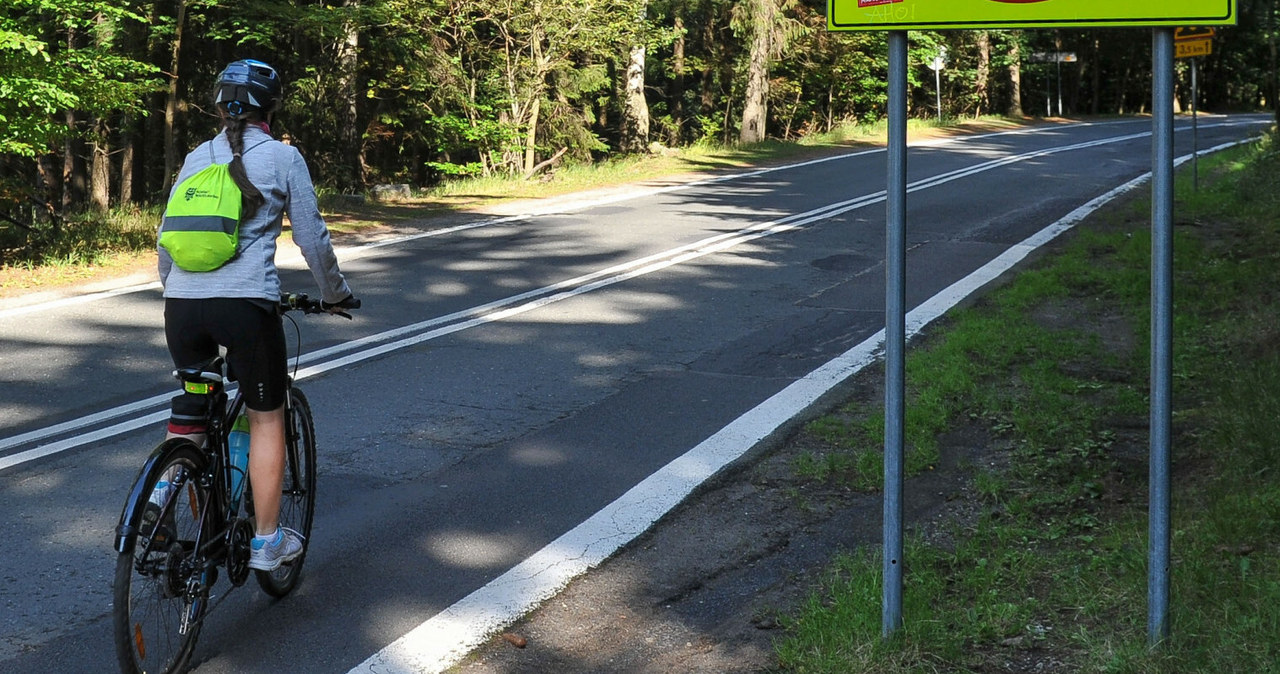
x=248 y=84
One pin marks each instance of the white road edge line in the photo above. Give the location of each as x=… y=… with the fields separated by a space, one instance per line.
x=351 y=253
x=445 y=638
x=509 y=306
x=501 y=309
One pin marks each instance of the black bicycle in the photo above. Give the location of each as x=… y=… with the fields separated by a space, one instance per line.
x=182 y=522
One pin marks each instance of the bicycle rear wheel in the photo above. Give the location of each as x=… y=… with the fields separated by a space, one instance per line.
x=298 y=500
x=156 y=617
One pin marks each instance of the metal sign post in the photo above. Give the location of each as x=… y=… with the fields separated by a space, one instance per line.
x=1058 y=63
x=1190 y=43
x=939 y=62
x=1161 y=333
x=1195 y=140
x=1059 y=58
x=898 y=16
x=895 y=331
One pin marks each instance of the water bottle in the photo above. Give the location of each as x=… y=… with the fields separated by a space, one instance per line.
x=238 y=443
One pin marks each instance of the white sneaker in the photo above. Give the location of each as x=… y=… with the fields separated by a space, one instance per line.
x=267 y=554
x=164 y=487
x=160 y=495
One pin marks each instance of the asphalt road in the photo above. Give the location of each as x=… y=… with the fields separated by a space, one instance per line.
x=507 y=380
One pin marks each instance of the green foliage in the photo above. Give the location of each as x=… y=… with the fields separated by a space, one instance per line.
x=84 y=239
x=41 y=76
x=420 y=91
x=1053 y=568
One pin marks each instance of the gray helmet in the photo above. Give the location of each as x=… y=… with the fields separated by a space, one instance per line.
x=248 y=85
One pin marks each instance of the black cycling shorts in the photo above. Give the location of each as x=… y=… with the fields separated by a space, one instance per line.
x=252 y=334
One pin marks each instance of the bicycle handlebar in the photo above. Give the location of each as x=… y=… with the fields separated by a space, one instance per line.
x=300 y=302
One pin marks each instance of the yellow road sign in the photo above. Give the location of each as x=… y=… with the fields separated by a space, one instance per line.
x=945 y=14
x=1198 y=33
x=1189 y=48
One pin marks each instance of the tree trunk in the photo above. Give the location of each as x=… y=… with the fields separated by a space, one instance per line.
x=48 y=188
x=100 y=180
x=755 y=109
x=100 y=171
x=128 y=140
x=831 y=104
x=75 y=177
x=1015 y=78
x=171 y=105
x=982 y=87
x=75 y=172
x=348 y=108
x=677 y=85
x=635 y=109
x=531 y=138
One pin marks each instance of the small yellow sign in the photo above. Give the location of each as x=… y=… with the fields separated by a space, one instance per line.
x=1188 y=48
x=1197 y=33
x=947 y=14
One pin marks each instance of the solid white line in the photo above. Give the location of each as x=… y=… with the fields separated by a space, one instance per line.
x=537 y=298
x=82 y=422
x=84 y=439
x=445 y=638
x=356 y=252
x=78 y=299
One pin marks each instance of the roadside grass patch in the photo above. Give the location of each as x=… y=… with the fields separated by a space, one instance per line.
x=1052 y=574
x=86 y=246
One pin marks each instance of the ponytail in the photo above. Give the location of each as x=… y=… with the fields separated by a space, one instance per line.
x=250 y=196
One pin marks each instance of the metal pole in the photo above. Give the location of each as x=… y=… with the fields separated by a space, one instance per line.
x=1195 y=141
x=895 y=330
x=1058 y=59
x=937 y=79
x=1048 y=95
x=1161 y=334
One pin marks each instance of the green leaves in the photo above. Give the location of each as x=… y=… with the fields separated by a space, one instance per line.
x=43 y=70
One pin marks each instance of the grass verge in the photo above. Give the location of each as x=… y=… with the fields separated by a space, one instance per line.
x=1051 y=573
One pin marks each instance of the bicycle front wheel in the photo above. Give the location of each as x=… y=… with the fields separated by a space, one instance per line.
x=298 y=500
x=156 y=614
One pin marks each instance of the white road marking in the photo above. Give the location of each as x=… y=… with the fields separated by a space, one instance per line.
x=510 y=306
x=442 y=640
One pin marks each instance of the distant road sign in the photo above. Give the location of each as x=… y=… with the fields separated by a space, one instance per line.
x=1198 y=33
x=1190 y=48
x=1053 y=57
x=945 y=14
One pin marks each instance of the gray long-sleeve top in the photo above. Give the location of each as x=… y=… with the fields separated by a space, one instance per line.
x=281 y=174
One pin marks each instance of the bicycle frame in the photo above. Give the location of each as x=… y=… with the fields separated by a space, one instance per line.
x=216 y=473
x=181 y=520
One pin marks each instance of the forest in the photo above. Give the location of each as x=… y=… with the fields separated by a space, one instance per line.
x=101 y=99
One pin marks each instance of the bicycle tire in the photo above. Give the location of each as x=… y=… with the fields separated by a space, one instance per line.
x=149 y=590
x=298 y=500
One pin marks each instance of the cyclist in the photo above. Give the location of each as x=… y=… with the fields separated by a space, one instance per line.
x=236 y=305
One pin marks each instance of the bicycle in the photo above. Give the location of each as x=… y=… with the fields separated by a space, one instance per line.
x=181 y=521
